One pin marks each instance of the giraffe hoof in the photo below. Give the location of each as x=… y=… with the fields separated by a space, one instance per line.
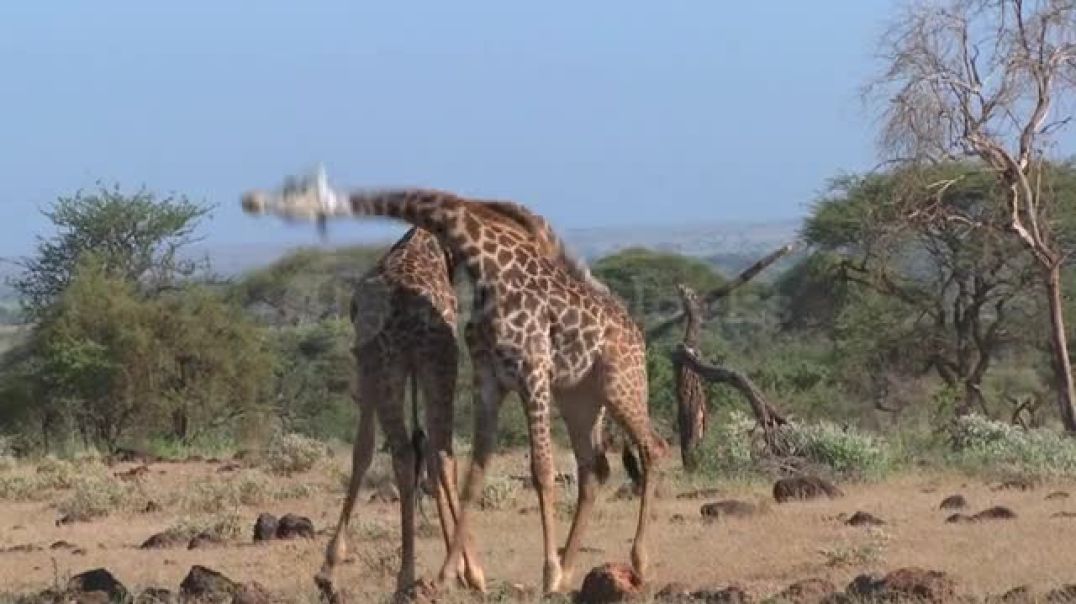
x=325 y=588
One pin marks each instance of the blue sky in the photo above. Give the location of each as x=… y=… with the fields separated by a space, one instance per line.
x=592 y=113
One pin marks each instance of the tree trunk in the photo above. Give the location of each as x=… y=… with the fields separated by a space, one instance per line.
x=1066 y=390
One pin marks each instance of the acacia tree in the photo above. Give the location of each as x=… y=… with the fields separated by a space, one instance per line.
x=983 y=79
x=949 y=288
x=136 y=236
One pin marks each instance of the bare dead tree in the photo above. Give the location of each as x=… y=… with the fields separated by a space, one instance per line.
x=692 y=404
x=765 y=413
x=982 y=79
x=712 y=296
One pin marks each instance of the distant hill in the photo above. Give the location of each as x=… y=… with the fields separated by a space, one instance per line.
x=730 y=246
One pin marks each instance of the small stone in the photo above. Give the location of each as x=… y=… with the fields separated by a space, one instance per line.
x=162 y=541
x=207 y=585
x=292 y=526
x=998 y=512
x=864 y=519
x=610 y=583
x=804 y=487
x=1057 y=495
x=97 y=580
x=265 y=527
x=953 y=502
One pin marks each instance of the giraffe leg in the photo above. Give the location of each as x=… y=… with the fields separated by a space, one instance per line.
x=583 y=417
x=362 y=453
x=438 y=381
x=625 y=393
x=486 y=410
x=536 y=396
x=403 y=464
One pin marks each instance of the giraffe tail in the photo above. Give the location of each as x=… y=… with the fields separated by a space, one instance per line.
x=418 y=438
x=658 y=448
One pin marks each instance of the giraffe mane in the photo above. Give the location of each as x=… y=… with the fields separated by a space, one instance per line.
x=540 y=229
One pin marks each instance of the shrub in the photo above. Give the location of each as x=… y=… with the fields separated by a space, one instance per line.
x=734 y=447
x=290 y=453
x=846 y=451
x=978 y=442
x=224 y=526
x=94 y=497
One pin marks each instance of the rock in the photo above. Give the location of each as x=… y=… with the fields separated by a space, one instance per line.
x=152 y=507
x=203 y=540
x=292 y=526
x=998 y=512
x=1057 y=495
x=162 y=541
x=206 y=585
x=953 y=502
x=804 y=487
x=865 y=587
x=677 y=519
x=155 y=595
x=265 y=527
x=231 y=466
x=610 y=583
x=251 y=593
x=807 y=591
x=699 y=494
x=97 y=580
x=727 y=508
x=61 y=544
x=904 y=584
x=864 y=519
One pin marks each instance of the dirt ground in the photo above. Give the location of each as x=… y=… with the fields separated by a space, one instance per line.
x=762 y=554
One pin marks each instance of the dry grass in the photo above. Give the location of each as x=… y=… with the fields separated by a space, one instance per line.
x=763 y=554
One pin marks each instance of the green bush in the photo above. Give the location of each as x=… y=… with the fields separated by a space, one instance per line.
x=846 y=451
x=734 y=448
x=95 y=497
x=290 y=453
x=981 y=443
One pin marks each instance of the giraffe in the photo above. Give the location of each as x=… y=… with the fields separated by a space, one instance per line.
x=404 y=315
x=690 y=390
x=538 y=327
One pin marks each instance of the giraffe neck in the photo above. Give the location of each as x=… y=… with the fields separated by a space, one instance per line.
x=444 y=215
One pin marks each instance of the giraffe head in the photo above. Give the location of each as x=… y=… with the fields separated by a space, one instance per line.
x=299 y=198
